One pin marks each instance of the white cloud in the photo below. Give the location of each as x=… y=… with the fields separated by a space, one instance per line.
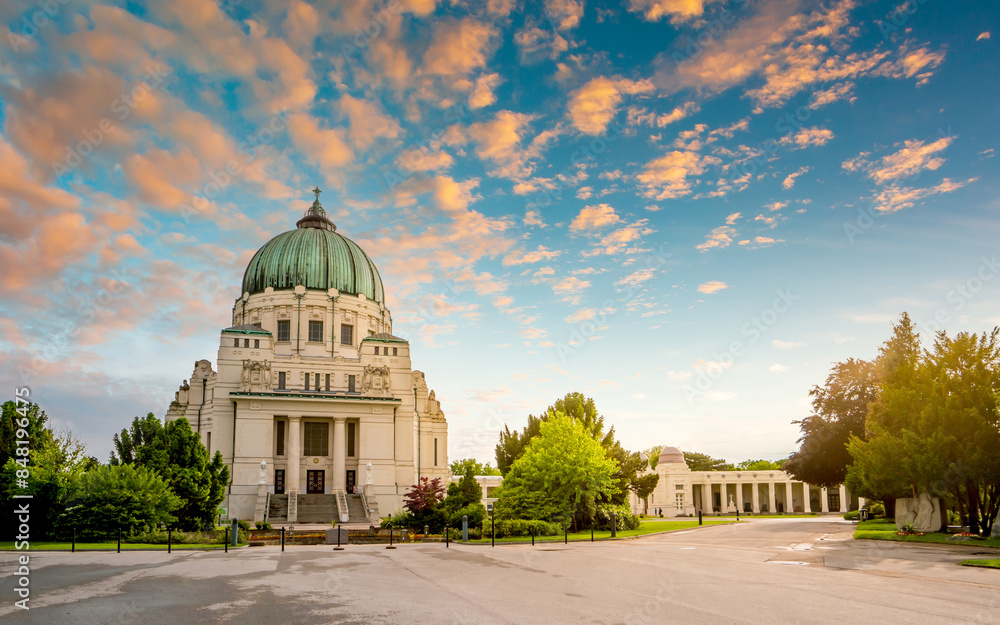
x=712 y=287
x=777 y=368
x=786 y=344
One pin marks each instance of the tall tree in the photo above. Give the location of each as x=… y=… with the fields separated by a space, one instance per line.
x=461 y=467
x=25 y=421
x=936 y=425
x=176 y=453
x=839 y=409
x=653 y=455
x=703 y=462
x=566 y=463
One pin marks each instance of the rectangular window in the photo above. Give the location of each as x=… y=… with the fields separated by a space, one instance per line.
x=236 y=342
x=316 y=439
x=281 y=380
x=394 y=351
x=350 y=383
x=306 y=385
x=246 y=342
x=435 y=452
x=284 y=330
x=208 y=445
x=279 y=438
x=256 y=343
x=279 y=481
x=346 y=335
x=315 y=331
x=317 y=381
x=328 y=382
x=351 y=433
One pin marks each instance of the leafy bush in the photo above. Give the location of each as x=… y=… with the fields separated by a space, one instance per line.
x=159 y=536
x=522 y=527
x=263 y=525
x=852 y=515
x=876 y=509
x=134 y=499
x=403 y=519
x=624 y=519
x=243 y=524
x=476 y=513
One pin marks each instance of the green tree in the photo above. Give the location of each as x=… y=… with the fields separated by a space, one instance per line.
x=760 y=465
x=565 y=462
x=703 y=462
x=26 y=419
x=935 y=426
x=176 y=453
x=460 y=467
x=52 y=478
x=653 y=455
x=133 y=498
x=839 y=410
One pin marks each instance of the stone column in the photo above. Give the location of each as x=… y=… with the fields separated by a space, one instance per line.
x=339 y=453
x=739 y=496
x=824 y=500
x=844 y=503
x=755 y=496
x=706 y=498
x=772 y=501
x=293 y=453
x=723 y=498
x=789 y=508
x=805 y=498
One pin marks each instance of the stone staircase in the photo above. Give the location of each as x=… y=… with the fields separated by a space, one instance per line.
x=317 y=508
x=277 y=511
x=356 y=509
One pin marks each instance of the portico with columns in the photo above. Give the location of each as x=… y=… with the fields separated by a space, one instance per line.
x=683 y=492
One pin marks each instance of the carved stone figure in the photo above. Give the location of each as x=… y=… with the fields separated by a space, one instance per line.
x=375 y=380
x=256 y=376
x=923 y=511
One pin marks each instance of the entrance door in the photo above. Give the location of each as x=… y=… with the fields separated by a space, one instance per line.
x=279 y=481
x=315 y=482
x=352 y=480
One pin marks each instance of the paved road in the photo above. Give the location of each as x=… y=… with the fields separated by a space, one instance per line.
x=781 y=571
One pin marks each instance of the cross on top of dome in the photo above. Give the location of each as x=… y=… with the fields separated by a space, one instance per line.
x=315 y=216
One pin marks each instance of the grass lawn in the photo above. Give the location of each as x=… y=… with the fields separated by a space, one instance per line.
x=112 y=546
x=648 y=526
x=886 y=530
x=988 y=564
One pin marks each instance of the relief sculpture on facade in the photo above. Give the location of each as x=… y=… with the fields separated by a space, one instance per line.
x=375 y=380
x=256 y=376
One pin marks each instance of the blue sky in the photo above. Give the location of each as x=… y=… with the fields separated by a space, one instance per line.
x=685 y=209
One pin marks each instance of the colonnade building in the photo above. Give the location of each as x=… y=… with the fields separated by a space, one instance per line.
x=683 y=492
x=315 y=405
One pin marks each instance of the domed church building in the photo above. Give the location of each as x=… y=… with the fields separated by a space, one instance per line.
x=315 y=405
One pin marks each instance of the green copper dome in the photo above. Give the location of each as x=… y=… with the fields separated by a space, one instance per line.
x=316 y=257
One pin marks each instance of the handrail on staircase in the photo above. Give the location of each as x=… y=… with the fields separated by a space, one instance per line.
x=343 y=511
x=364 y=502
x=267 y=505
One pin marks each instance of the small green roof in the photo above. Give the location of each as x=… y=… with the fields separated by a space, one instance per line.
x=383 y=337
x=247 y=328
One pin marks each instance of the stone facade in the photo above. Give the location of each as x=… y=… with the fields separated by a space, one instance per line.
x=313 y=383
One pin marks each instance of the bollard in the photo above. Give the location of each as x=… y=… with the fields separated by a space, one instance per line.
x=446 y=544
x=338 y=547
x=427 y=530
x=614 y=525
x=390 y=538
x=532 y=535
x=119 y=539
x=465 y=528
x=493 y=531
x=73 y=549
x=282 y=539
x=169 y=531
x=225 y=545
x=236 y=533
x=699 y=517
x=592 y=533
x=737 y=515
x=566 y=535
